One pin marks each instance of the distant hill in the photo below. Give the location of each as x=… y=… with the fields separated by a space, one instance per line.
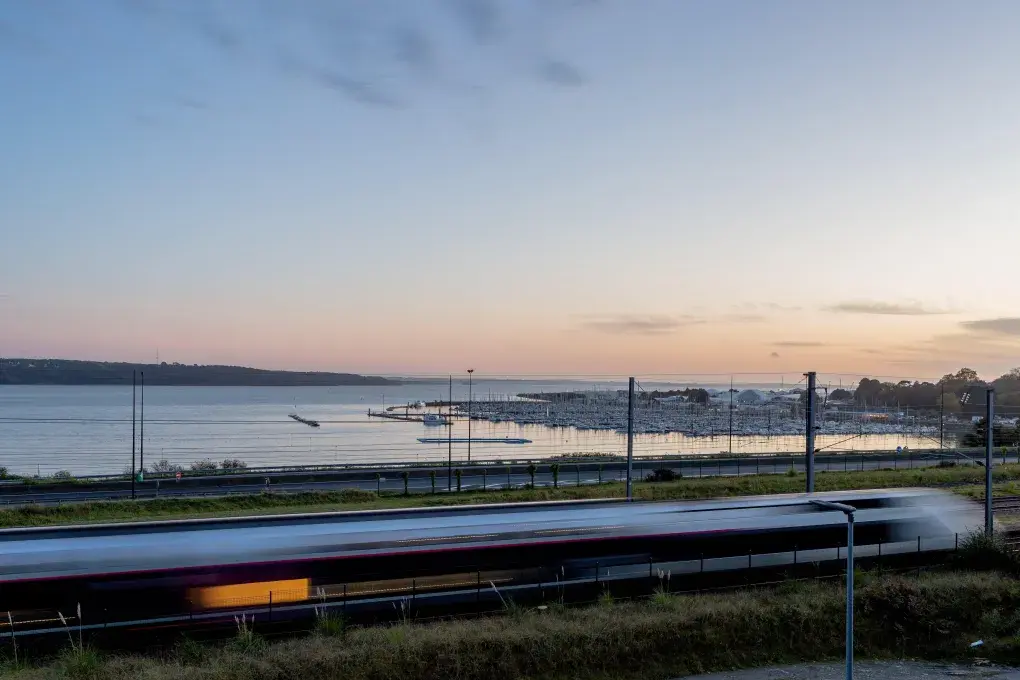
x=70 y=372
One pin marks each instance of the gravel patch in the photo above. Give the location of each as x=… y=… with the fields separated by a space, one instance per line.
x=872 y=670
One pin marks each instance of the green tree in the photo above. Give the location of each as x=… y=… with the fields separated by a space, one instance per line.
x=532 y=469
x=555 y=470
x=432 y=480
x=405 y=476
x=457 y=473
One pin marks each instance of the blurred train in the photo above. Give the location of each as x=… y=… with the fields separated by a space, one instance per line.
x=126 y=572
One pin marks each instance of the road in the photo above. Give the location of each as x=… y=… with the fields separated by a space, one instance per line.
x=473 y=478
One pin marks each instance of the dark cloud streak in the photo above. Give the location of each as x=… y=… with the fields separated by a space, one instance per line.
x=561 y=73
x=1003 y=326
x=883 y=308
x=639 y=324
x=799 y=343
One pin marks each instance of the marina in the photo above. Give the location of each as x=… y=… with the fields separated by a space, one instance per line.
x=88 y=430
x=473 y=440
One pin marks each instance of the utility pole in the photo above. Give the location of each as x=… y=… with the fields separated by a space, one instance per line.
x=630 y=440
x=470 y=371
x=730 y=447
x=809 y=417
x=942 y=417
x=449 y=435
x=141 y=434
x=134 y=388
x=989 y=445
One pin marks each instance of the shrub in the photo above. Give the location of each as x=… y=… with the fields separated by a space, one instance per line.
x=3 y=473
x=661 y=475
x=63 y=475
x=166 y=467
x=203 y=466
x=233 y=464
x=987 y=553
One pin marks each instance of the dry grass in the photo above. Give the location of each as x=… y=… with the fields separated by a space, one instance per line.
x=932 y=617
x=964 y=479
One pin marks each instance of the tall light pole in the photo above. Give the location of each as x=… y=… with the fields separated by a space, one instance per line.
x=470 y=371
x=849 y=511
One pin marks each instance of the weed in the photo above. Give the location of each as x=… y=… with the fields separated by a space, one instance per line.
x=78 y=660
x=189 y=651
x=403 y=611
x=247 y=641
x=328 y=623
x=81 y=663
x=605 y=598
x=14 y=638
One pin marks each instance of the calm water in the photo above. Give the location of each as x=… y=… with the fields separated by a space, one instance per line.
x=88 y=429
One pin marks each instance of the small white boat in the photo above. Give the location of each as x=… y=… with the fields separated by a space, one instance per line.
x=433 y=419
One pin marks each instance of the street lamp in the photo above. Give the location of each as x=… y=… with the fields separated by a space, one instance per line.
x=849 y=511
x=470 y=371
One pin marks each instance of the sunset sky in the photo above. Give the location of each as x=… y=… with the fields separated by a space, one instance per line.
x=527 y=187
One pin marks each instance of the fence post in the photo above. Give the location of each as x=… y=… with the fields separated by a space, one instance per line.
x=270 y=606
x=989 y=432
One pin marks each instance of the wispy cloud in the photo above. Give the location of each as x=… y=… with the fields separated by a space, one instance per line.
x=1002 y=326
x=774 y=355
x=481 y=18
x=744 y=318
x=884 y=308
x=559 y=72
x=799 y=343
x=639 y=324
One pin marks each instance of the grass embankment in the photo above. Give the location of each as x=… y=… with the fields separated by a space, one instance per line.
x=934 y=617
x=966 y=480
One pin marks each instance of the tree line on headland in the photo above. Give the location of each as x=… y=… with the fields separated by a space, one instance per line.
x=961 y=392
x=72 y=372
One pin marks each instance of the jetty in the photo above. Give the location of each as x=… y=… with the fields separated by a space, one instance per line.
x=306 y=421
x=395 y=416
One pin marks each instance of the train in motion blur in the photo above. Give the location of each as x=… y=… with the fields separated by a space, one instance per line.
x=145 y=571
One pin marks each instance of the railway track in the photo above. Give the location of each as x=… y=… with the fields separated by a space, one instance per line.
x=1006 y=505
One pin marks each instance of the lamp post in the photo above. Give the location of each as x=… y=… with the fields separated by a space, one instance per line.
x=470 y=371
x=849 y=511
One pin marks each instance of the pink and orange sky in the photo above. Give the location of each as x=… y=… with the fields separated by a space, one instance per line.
x=521 y=187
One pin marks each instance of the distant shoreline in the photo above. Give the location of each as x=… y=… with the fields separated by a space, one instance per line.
x=70 y=372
